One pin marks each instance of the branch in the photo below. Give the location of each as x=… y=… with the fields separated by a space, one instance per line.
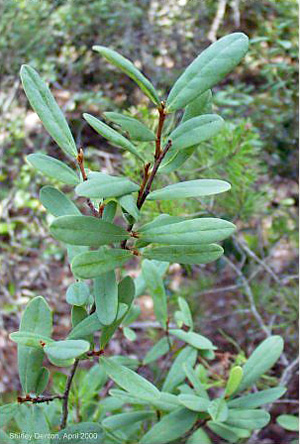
x=38 y=399
x=236 y=13
x=80 y=161
x=149 y=177
x=65 y=396
x=250 y=297
x=162 y=116
x=153 y=173
x=288 y=372
x=212 y=35
x=145 y=180
x=251 y=254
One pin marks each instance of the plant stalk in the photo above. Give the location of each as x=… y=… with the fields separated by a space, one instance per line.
x=65 y=408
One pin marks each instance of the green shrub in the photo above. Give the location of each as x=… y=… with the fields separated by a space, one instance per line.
x=184 y=403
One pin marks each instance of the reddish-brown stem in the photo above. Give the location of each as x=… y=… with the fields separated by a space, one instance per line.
x=145 y=179
x=158 y=157
x=38 y=399
x=80 y=161
x=153 y=173
x=95 y=353
x=162 y=116
x=146 y=188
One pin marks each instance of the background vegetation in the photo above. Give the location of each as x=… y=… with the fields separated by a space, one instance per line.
x=250 y=292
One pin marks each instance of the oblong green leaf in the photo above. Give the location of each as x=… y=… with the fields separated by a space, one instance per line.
x=57 y=203
x=94 y=263
x=218 y=410
x=5 y=439
x=195 y=380
x=78 y=293
x=128 y=68
x=110 y=134
x=86 y=327
x=175 y=160
x=156 y=287
x=7 y=412
x=126 y=290
x=165 y=402
x=288 y=422
x=136 y=129
x=185 y=254
x=176 y=373
x=129 y=380
x=94 y=379
x=61 y=362
x=33 y=423
x=100 y=185
x=160 y=221
x=234 y=380
x=37 y=319
x=30 y=339
x=106 y=297
x=257 y=399
x=53 y=168
x=159 y=349
x=170 y=427
x=109 y=211
x=189 y=232
x=193 y=339
x=128 y=203
x=42 y=380
x=261 y=360
x=44 y=104
x=78 y=314
x=195 y=403
x=139 y=282
x=68 y=349
x=190 y=188
x=186 y=312
x=195 y=130
x=86 y=230
x=132 y=315
x=199 y=436
x=129 y=334
x=201 y=105
x=120 y=420
x=224 y=431
x=207 y=69
x=109 y=330
x=248 y=419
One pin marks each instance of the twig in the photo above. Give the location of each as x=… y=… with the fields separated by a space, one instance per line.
x=148 y=178
x=149 y=324
x=80 y=161
x=250 y=296
x=162 y=116
x=212 y=35
x=286 y=401
x=257 y=259
x=153 y=173
x=236 y=13
x=288 y=372
x=145 y=180
x=38 y=399
x=65 y=410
